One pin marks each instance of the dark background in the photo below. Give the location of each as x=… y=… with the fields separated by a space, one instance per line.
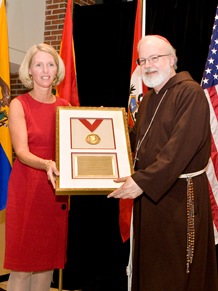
x=103 y=36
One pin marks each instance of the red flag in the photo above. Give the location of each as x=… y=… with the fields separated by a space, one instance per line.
x=137 y=90
x=136 y=84
x=68 y=87
x=210 y=85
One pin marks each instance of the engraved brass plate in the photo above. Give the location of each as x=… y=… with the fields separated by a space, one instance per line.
x=95 y=166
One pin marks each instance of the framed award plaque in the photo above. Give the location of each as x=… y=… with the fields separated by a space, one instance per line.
x=92 y=149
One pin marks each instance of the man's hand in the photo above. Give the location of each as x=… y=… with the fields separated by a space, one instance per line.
x=129 y=189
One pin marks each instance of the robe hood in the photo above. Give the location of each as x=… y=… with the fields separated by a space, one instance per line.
x=176 y=79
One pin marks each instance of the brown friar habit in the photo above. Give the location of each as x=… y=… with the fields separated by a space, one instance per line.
x=177 y=142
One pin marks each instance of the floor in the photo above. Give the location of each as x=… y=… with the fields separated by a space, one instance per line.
x=3 y=286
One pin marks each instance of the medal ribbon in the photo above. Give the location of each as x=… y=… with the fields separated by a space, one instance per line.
x=91 y=126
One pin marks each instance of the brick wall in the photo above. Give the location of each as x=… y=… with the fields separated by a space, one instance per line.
x=84 y=2
x=54 y=21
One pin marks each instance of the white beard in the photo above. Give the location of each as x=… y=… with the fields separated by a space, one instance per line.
x=153 y=81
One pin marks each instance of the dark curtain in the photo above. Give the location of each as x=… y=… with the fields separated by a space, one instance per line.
x=103 y=36
x=103 y=47
x=97 y=258
x=187 y=24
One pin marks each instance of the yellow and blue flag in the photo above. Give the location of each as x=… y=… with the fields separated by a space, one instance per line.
x=5 y=142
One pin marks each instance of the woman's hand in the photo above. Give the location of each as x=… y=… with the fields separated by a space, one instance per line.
x=51 y=171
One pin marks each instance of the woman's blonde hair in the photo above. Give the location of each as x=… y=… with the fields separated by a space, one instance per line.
x=24 y=75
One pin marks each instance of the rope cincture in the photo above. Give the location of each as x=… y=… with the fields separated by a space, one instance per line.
x=190 y=213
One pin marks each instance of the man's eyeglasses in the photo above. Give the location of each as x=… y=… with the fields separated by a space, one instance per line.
x=151 y=60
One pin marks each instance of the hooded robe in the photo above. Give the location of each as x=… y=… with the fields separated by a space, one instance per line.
x=178 y=142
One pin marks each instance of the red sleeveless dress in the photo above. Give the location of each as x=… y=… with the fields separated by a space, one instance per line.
x=36 y=219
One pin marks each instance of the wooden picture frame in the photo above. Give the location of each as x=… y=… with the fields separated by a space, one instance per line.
x=92 y=149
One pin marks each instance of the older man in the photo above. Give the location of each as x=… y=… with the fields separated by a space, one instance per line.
x=174 y=247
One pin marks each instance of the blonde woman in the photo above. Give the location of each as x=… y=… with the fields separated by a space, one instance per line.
x=36 y=219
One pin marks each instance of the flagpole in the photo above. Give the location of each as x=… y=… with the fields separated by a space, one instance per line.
x=72 y=7
x=143 y=17
x=60 y=277
x=60 y=281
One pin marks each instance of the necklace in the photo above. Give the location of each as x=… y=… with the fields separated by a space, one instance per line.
x=139 y=143
x=49 y=100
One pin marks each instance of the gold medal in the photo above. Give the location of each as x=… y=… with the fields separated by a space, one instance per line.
x=93 y=139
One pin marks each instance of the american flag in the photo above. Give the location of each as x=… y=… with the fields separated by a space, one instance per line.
x=210 y=85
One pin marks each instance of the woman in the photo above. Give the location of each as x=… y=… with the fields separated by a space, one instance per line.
x=36 y=219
